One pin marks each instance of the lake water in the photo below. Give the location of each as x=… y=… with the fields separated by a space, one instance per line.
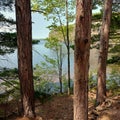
x=39 y=50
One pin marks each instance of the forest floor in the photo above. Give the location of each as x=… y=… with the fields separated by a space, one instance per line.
x=60 y=107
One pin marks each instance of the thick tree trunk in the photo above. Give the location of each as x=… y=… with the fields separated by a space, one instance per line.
x=24 y=39
x=104 y=41
x=81 y=58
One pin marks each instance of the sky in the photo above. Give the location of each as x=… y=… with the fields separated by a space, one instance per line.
x=39 y=25
x=39 y=28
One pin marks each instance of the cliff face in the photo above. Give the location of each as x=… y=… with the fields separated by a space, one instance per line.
x=95 y=30
x=57 y=32
x=60 y=31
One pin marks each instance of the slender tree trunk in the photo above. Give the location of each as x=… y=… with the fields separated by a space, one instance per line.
x=24 y=39
x=59 y=63
x=60 y=70
x=66 y=40
x=104 y=41
x=68 y=52
x=68 y=46
x=81 y=58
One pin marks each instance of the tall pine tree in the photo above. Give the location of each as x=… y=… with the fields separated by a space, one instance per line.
x=24 y=39
x=81 y=58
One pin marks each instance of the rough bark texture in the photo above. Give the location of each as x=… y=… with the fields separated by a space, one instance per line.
x=24 y=39
x=104 y=41
x=81 y=58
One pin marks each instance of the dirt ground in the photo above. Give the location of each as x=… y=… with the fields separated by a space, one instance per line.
x=61 y=108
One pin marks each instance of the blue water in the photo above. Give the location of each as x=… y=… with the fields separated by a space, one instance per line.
x=39 y=50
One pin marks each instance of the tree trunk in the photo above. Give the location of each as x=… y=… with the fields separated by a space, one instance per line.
x=60 y=69
x=104 y=41
x=68 y=52
x=81 y=58
x=68 y=46
x=24 y=39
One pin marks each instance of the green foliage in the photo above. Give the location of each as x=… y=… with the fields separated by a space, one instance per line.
x=8 y=43
x=9 y=72
x=115 y=49
x=6 y=4
x=54 y=63
x=9 y=85
x=56 y=13
x=96 y=26
x=53 y=43
x=11 y=90
x=114 y=60
x=43 y=82
x=65 y=84
x=44 y=89
x=56 y=32
x=53 y=9
x=92 y=80
x=114 y=36
x=96 y=4
x=116 y=7
x=44 y=72
x=4 y=97
x=50 y=63
x=73 y=47
x=56 y=47
x=95 y=38
x=35 y=4
x=8 y=39
x=5 y=20
x=97 y=16
x=113 y=82
x=35 y=41
x=115 y=21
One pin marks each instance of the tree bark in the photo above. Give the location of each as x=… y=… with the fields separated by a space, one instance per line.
x=60 y=69
x=24 y=40
x=104 y=41
x=68 y=46
x=81 y=58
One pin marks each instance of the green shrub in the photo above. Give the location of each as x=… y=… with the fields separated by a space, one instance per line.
x=114 y=59
x=44 y=89
x=113 y=82
x=92 y=80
